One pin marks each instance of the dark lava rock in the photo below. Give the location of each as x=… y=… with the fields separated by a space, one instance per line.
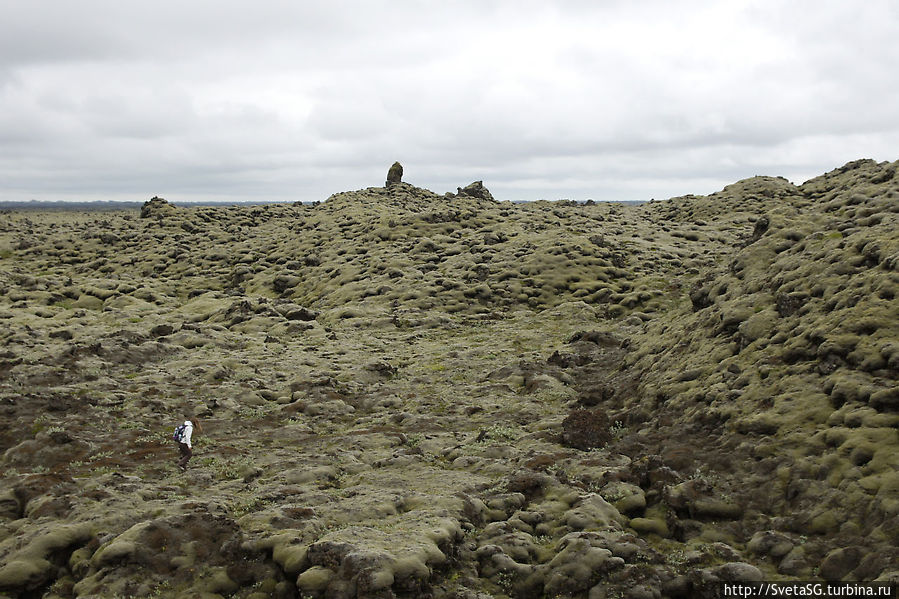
x=761 y=226
x=476 y=190
x=381 y=368
x=586 y=429
x=162 y=330
x=301 y=313
x=395 y=174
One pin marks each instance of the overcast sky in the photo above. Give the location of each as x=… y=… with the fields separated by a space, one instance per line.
x=291 y=100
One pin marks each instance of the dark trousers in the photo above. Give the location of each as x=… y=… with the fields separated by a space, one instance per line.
x=186 y=454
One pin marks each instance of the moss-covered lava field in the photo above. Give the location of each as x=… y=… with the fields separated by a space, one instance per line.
x=413 y=395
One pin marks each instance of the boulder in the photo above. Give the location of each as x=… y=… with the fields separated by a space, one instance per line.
x=395 y=174
x=840 y=562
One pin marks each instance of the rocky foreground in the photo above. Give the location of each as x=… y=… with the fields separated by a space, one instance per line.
x=412 y=395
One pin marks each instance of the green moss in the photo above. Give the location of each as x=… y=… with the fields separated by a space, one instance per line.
x=219 y=582
x=824 y=522
x=649 y=526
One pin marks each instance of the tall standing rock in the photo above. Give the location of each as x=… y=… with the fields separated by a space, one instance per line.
x=395 y=174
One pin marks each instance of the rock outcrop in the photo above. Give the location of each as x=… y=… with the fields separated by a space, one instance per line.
x=476 y=190
x=394 y=174
x=156 y=207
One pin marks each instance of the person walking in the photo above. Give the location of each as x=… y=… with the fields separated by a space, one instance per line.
x=183 y=434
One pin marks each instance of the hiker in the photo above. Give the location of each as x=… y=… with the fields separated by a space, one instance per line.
x=183 y=433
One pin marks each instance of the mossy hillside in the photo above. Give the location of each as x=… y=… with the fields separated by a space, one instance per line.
x=799 y=325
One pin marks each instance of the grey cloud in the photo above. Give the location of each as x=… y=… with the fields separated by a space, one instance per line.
x=288 y=100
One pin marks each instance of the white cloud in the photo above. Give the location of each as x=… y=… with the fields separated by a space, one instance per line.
x=287 y=100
